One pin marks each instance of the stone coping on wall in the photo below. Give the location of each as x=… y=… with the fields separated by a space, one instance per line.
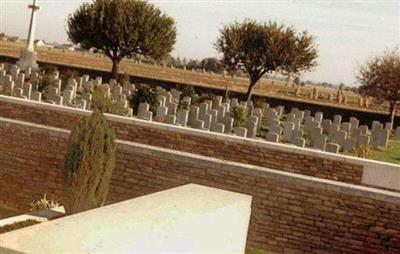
x=375 y=173
x=291 y=178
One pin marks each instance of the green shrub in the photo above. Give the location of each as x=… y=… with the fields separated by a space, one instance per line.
x=44 y=85
x=43 y=204
x=183 y=105
x=17 y=225
x=363 y=151
x=145 y=94
x=241 y=114
x=105 y=103
x=188 y=91
x=124 y=79
x=89 y=164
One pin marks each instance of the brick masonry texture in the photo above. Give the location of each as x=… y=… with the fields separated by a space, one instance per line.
x=291 y=213
x=223 y=149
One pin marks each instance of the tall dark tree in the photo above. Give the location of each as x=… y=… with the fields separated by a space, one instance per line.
x=380 y=79
x=89 y=164
x=211 y=64
x=265 y=48
x=122 y=28
x=193 y=64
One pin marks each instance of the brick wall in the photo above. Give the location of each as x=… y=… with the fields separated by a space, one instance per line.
x=290 y=213
x=30 y=162
x=193 y=141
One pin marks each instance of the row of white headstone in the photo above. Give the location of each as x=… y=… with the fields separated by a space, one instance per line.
x=76 y=92
x=298 y=127
x=295 y=128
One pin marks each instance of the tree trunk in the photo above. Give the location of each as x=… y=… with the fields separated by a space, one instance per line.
x=115 y=65
x=250 y=90
x=392 y=112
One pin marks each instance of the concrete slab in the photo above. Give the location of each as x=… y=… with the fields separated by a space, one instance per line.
x=186 y=219
x=42 y=215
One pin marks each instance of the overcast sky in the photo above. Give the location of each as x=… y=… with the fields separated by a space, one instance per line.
x=347 y=32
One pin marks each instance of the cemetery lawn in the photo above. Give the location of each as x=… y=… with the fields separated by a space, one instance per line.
x=390 y=154
x=6 y=211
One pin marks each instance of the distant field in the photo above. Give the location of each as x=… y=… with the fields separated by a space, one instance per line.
x=265 y=87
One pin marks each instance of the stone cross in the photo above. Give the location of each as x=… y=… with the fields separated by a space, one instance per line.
x=28 y=55
x=32 y=25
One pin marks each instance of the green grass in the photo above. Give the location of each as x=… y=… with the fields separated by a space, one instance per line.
x=390 y=154
x=18 y=225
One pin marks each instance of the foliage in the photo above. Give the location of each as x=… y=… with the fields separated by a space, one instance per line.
x=45 y=83
x=49 y=68
x=183 y=105
x=211 y=64
x=122 y=28
x=264 y=48
x=89 y=164
x=17 y=225
x=380 y=78
x=188 y=91
x=145 y=94
x=105 y=103
x=240 y=115
x=296 y=81
x=260 y=102
x=194 y=64
x=363 y=151
x=43 y=204
x=125 y=79
x=206 y=97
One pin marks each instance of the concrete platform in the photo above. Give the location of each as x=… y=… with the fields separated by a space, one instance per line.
x=186 y=219
x=42 y=215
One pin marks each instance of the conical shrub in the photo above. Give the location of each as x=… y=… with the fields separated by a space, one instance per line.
x=89 y=164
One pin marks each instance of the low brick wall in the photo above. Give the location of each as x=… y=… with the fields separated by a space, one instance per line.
x=291 y=213
x=30 y=161
x=225 y=147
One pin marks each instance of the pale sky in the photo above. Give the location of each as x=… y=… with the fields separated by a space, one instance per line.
x=347 y=32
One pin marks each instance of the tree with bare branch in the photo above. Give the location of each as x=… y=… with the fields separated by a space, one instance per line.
x=380 y=79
